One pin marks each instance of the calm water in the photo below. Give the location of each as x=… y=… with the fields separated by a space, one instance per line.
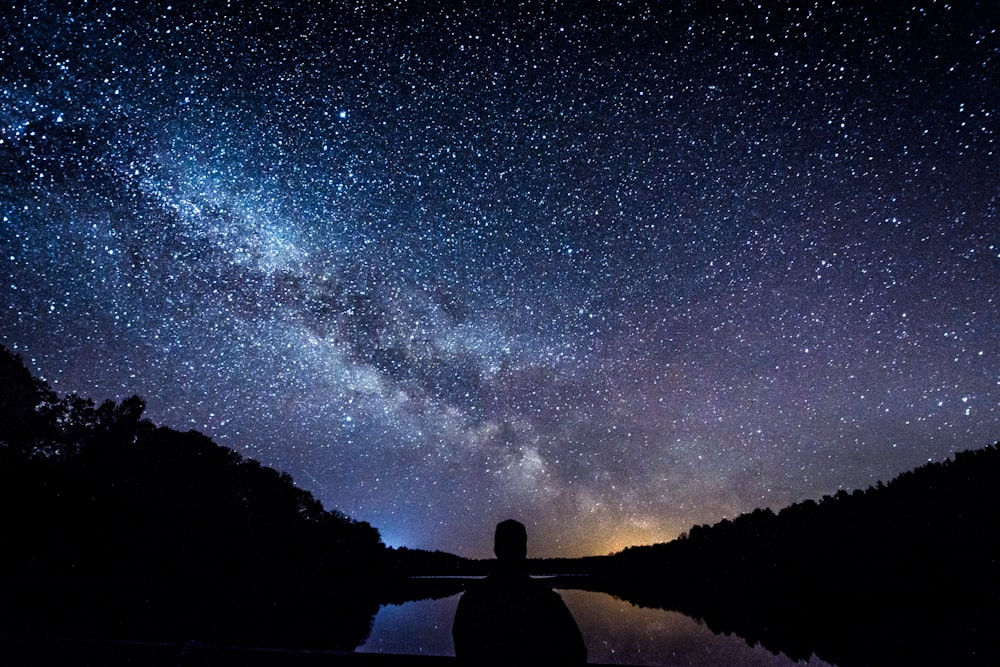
x=614 y=631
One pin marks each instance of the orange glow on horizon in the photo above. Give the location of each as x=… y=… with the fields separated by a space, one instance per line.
x=611 y=540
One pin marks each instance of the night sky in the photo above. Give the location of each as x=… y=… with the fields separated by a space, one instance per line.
x=613 y=269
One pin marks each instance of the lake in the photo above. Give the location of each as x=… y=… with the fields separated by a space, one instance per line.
x=616 y=632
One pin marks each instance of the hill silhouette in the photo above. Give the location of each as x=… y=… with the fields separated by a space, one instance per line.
x=900 y=573
x=116 y=527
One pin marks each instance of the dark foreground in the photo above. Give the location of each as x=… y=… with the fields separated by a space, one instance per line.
x=30 y=652
x=18 y=651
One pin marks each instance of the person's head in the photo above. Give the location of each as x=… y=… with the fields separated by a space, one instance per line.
x=510 y=542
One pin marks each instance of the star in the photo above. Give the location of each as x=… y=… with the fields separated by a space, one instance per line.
x=612 y=277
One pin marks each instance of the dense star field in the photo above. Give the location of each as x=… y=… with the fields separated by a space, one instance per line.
x=613 y=269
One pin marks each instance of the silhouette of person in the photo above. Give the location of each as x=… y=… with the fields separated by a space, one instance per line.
x=510 y=618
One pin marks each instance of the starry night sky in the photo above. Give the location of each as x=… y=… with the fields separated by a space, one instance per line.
x=613 y=269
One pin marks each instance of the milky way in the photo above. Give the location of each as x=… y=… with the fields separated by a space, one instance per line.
x=613 y=269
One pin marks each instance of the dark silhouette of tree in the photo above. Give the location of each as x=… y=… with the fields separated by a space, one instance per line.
x=116 y=527
x=25 y=404
x=901 y=573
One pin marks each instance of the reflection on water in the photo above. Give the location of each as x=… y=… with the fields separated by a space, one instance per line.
x=422 y=627
x=616 y=632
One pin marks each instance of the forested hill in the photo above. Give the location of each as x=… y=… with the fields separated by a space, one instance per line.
x=944 y=505
x=901 y=573
x=112 y=525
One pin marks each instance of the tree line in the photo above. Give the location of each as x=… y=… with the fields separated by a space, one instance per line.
x=113 y=526
x=899 y=573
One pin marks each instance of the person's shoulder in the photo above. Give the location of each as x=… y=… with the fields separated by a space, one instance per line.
x=501 y=580
x=491 y=582
x=479 y=588
x=540 y=585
